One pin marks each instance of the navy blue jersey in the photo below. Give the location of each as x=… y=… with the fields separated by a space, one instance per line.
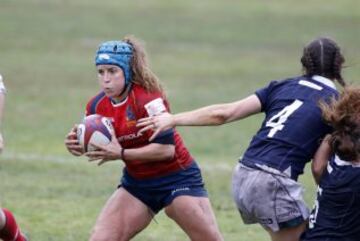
x=293 y=126
x=336 y=215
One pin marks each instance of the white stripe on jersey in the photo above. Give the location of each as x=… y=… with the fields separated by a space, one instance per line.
x=324 y=81
x=340 y=162
x=309 y=84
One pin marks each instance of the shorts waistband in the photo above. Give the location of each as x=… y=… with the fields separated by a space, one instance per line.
x=263 y=167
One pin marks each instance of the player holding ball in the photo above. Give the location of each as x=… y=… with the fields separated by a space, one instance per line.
x=158 y=174
x=265 y=187
x=9 y=230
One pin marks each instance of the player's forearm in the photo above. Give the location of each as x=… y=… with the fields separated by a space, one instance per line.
x=150 y=153
x=201 y=117
x=320 y=159
x=219 y=114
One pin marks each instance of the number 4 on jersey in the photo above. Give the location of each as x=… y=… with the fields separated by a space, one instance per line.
x=277 y=122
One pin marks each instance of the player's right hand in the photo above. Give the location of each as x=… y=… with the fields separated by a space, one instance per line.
x=157 y=123
x=72 y=143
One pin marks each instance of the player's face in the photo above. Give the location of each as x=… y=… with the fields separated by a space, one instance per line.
x=111 y=79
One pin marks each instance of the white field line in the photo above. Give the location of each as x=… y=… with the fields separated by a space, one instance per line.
x=206 y=166
x=36 y=157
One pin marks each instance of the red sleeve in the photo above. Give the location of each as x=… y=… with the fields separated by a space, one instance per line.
x=92 y=106
x=150 y=104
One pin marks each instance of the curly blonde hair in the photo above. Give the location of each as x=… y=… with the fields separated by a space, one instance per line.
x=343 y=114
x=142 y=74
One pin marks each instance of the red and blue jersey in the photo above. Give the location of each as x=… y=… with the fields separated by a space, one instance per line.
x=293 y=127
x=139 y=104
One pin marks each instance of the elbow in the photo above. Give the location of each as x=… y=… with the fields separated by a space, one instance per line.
x=219 y=117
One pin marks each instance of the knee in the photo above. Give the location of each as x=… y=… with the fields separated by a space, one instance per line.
x=101 y=234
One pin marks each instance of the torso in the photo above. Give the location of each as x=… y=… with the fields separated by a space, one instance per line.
x=336 y=212
x=293 y=126
x=124 y=116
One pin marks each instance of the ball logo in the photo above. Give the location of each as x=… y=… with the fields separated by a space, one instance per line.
x=95 y=129
x=80 y=130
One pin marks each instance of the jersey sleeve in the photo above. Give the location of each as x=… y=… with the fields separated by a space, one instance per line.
x=92 y=105
x=264 y=93
x=154 y=104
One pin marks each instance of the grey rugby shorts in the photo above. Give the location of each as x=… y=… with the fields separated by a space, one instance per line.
x=269 y=197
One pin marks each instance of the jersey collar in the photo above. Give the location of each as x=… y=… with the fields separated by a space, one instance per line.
x=324 y=81
x=116 y=104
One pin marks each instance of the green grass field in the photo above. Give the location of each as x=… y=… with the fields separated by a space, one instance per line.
x=203 y=51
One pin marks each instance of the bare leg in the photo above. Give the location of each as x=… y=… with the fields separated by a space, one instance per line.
x=195 y=216
x=287 y=234
x=122 y=217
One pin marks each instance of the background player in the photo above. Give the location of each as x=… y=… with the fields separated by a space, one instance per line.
x=288 y=138
x=336 y=168
x=157 y=174
x=9 y=230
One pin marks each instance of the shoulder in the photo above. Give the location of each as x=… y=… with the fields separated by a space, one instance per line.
x=144 y=95
x=274 y=84
x=153 y=102
x=271 y=90
x=93 y=104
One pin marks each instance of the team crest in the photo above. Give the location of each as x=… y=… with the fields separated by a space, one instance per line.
x=130 y=117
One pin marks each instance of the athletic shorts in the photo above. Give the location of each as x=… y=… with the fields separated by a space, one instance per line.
x=269 y=198
x=159 y=192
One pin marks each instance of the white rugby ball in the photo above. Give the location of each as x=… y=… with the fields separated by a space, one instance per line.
x=94 y=129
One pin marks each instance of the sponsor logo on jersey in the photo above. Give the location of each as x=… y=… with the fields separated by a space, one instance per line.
x=129 y=137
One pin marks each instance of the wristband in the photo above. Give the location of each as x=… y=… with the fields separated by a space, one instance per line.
x=122 y=154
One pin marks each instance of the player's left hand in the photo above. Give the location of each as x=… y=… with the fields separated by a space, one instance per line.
x=105 y=153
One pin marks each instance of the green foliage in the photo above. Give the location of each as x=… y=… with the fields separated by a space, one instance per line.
x=204 y=52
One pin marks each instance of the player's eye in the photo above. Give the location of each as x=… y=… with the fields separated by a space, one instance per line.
x=112 y=70
x=100 y=71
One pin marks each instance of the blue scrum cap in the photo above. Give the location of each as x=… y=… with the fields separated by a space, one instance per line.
x=117 y=53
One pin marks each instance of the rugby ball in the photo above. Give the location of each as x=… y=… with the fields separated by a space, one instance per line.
x=94 y=129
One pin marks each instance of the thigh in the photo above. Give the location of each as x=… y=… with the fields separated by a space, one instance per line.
x=195 y=216
x=288 y=234
x=121 y=218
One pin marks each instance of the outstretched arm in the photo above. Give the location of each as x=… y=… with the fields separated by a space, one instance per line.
x=210 y=115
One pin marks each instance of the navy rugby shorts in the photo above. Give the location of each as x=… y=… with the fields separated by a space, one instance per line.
x=159 y=192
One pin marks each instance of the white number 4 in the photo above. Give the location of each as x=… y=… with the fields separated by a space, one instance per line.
x=278 y=120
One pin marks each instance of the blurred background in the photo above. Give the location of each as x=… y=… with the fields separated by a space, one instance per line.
x=205 y=51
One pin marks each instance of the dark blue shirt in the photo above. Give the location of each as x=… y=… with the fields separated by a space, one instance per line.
x=336 y=215
x=293 y=126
